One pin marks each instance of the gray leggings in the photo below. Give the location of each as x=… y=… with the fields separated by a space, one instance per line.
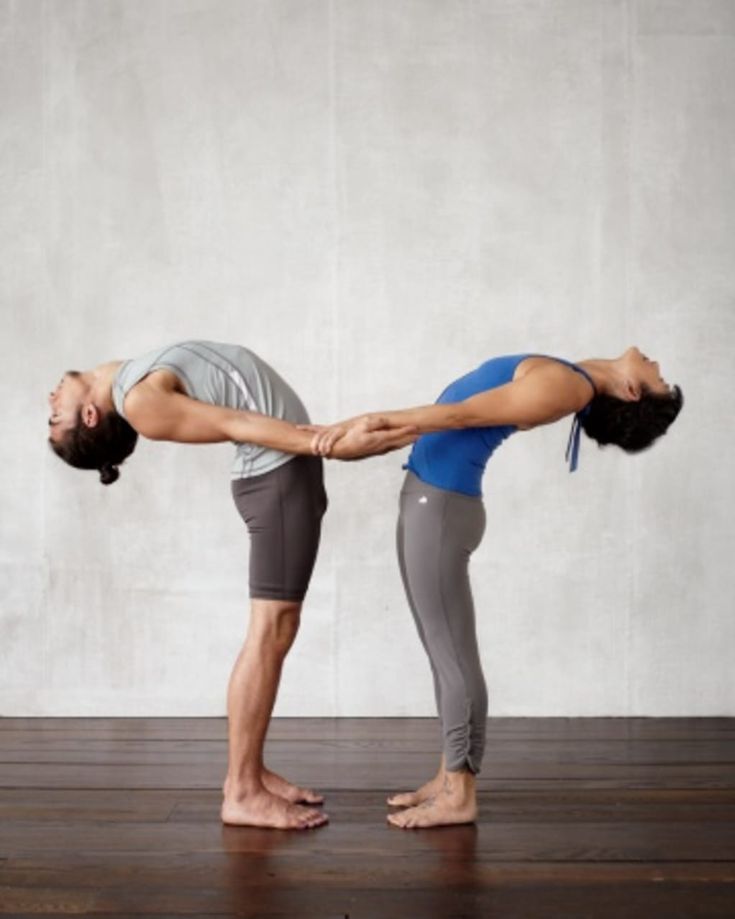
x=437 y=532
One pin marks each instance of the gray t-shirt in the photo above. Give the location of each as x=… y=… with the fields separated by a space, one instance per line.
x=226 y=375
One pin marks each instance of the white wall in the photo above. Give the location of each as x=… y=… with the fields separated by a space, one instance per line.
x=375 y=196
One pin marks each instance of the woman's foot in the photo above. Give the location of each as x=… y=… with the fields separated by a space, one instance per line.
x=277 y=785
x=455 y=802
x=412 y=798
x=262 y=808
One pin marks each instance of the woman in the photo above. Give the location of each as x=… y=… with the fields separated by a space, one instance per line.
x=442 y=519
x=205 y=392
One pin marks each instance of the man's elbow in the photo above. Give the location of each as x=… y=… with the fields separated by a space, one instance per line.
x=147 y=427
x=158 y=435
x=233 y=428
x=153 y=432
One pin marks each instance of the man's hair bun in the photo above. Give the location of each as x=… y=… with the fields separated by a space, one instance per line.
x=109 y=473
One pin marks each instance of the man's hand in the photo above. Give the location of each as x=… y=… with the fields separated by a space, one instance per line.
x=326 y=435
x=368 y=435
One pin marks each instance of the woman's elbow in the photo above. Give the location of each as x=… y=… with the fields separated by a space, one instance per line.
x=462 y=417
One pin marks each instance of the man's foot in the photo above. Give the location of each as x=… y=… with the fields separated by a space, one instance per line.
x=277 y=785
x=412 y=798
x=454 y=803
x=262 y=808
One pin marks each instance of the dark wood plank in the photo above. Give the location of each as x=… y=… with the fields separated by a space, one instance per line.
x=363 y=773
x=194 y=805
x=40 y=748
x=559 y=841
x=532 y=728
x=676 y=901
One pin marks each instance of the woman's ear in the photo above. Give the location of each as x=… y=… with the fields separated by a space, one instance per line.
x=632 y=390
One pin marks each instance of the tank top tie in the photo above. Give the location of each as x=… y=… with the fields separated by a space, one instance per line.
x=572 y=453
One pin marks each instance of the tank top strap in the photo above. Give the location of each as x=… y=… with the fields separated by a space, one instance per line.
x=572 y=451
x=584 y=374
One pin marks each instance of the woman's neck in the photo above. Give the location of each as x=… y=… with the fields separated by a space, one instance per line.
x=604 y=373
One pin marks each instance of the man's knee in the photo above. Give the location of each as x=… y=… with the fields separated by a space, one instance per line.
x=274 y=623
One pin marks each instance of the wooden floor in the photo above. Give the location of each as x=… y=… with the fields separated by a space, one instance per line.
x=579 y=818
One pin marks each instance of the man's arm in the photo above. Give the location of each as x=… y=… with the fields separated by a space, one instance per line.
x=164 y=415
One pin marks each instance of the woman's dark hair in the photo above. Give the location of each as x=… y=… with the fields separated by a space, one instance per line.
x=103 y=447
x=633 y=426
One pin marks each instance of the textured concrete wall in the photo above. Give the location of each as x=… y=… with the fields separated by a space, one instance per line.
x=375 y=196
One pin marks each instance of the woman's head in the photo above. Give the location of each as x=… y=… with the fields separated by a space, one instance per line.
x=82 y=434
x=638 y=410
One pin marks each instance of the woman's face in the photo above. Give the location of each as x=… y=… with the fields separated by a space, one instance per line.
x=65 y=402
x=642 y=370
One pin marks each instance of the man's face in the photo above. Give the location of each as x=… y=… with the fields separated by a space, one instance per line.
x=65 y=402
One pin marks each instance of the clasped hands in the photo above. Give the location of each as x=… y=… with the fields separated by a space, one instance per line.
x=365 y=435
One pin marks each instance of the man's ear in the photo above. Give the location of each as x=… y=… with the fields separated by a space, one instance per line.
x=90 y=415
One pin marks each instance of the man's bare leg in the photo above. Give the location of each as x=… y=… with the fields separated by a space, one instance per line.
x=455 y=802
x=250 y=698
x=412 y=798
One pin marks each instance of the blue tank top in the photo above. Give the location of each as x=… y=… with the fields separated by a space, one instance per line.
x=455 y=460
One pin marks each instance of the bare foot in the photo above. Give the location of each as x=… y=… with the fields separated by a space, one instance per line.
x=265 y=809
x=277 y=785
x=412 y=798
x=454 y=803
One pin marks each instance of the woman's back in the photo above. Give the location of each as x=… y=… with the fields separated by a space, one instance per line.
x=456 y=460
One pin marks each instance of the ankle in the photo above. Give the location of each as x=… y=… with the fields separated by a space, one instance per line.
x=461 y=782
x=242 y=787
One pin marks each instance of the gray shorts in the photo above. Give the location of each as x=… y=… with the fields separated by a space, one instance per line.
x=283 y=512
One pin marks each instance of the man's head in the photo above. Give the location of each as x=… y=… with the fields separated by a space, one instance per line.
x=82 y=434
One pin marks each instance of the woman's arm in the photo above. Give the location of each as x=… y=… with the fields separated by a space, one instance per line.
x=165 y=415
x=542 y=396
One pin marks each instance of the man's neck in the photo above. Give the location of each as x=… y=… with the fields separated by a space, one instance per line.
x=100 y=380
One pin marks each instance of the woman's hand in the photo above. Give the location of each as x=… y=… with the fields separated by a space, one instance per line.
x=326 y=435
x=367 y=435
